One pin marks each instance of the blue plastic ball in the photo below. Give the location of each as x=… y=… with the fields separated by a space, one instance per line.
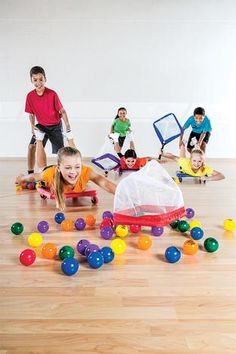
x=59 y=217
x=196 y=233
x=70 y=266
x=107 y=254
x=172 y=254
x=95 y=260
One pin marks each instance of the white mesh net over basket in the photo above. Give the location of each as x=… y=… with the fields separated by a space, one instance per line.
x=148 y=197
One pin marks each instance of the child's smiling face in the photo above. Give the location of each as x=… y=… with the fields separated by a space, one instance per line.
x=198 y=118
x=38 y=80
x=70 y=168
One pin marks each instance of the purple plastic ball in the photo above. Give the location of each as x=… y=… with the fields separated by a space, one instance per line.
x=189 y=213
x=157 y=231
x=91 y=248
x=43 y=226
x=82 y=245
x=106 y=232
x=80 y=224
x=107 y=214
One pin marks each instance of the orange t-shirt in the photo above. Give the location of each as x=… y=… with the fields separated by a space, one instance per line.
x=49 y=173
x=140 y=162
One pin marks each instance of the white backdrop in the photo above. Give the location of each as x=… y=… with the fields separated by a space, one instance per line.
x=151 y=56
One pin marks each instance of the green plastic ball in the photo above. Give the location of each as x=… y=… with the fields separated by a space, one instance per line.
x=174 y=224
x=66 y=252
x=17 y=228
x=183 y=226
x=211 y=244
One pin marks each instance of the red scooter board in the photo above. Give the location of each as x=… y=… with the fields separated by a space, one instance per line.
x=47 y=194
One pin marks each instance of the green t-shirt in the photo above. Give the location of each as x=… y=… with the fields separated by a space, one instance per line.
x=121 y=127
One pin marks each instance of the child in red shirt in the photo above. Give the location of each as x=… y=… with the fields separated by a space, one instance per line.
x=130 y=161
x=43 y=105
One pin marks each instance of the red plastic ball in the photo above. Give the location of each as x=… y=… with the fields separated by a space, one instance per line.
x=135 y=228
x=106 y=222
x=27 y=257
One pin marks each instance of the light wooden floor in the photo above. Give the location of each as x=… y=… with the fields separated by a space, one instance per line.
x=137 y=304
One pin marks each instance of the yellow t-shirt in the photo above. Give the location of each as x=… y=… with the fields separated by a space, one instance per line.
x=49 y=173
x=185 y=166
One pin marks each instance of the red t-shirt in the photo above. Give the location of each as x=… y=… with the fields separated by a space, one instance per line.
x=45 y=108
x=139 y=163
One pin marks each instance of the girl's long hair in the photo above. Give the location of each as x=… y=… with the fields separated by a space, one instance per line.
x=58 y=183
x=201 y=153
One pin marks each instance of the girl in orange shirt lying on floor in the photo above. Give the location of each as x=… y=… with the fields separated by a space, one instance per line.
x=68 y=176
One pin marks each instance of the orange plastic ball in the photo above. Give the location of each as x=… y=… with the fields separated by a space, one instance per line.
x=144 y=242
x=49 y=251
x=90 y=220
x=190 y=247
x=67 y=225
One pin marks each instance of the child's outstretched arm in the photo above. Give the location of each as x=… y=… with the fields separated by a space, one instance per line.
x=170 y=156
x=103 y=182
x=216 y=176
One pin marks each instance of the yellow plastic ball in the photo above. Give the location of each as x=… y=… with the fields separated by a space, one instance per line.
x=35 y=240
x=122 y=230
x=118 y=246
x=195 y=223
x=229 y=224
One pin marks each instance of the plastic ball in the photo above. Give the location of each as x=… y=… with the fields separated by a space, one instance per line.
x=183 y=226
x=229 y=224
x=35 y=240
x=135 y=228
x=107 y=214
x=59 y=217
x=122 y=230
x=118 y=246
x=106 y=222
x=66 y=252
x=190 y=247
x=195 y=223
x=43 y=226
x=196 y=233
x=67 y=225
x=144 y=242
x=91 y=248
x=27 y=257
x=189 y=213
x=81 y=246
x=31 y=185
x=49 y=251
x=107 y=232
x=70 y=266
x=108 y=254
x=80 y=224
x=17 y=228
x=174 y=224
x=157 y=230
x=90 y=220
x=95 y=260
x=172 y=254
x=211 y=244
